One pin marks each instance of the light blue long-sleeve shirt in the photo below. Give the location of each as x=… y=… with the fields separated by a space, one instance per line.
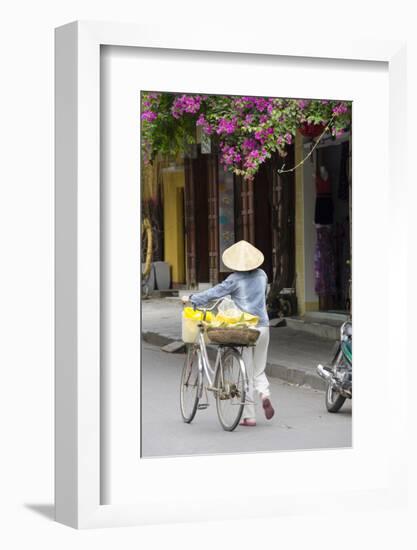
x=246 y=288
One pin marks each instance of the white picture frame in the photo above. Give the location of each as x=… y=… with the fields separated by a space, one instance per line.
x=78 y=404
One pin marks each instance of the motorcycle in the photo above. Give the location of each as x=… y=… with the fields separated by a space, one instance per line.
x=338 y=373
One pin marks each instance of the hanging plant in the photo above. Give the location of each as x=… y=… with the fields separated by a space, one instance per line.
x=310 y=130
x=246 y=130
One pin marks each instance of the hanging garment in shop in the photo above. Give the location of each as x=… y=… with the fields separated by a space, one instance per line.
x=324 y=262
x=323 y=214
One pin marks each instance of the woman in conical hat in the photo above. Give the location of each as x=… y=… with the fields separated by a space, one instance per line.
x=247 y=287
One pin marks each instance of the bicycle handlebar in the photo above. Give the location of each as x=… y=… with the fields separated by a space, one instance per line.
x=205 y=309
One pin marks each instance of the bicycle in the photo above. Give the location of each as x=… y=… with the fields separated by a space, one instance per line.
x=228 y=380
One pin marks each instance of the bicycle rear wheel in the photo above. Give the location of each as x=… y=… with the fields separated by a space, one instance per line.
x=191 y=380
x=231 y=383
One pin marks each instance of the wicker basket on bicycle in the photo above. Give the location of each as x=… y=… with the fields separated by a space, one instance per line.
x=238 y=336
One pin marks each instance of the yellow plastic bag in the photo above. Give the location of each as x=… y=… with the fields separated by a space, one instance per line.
x=196 y=315
x=245 y=320
x=250 y=319
x=228 y=312
x=228 y=319
x=190 y=320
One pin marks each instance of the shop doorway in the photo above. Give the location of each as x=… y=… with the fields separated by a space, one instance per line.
x=332 y=260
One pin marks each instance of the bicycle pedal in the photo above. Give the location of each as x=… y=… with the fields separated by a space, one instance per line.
x=203 y=406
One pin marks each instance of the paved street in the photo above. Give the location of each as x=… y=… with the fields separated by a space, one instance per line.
x=301 y=420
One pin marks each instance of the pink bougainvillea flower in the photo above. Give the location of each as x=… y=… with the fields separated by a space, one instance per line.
x=270 y=106
x=261 y=104
x=242 y=150
x=340 y=109
x=149 y=116
x=185 y=104
x=248 y=144
x=249 y=163
x=206 y=127
x=249 y=101
x=303 y=103
x=226 y=126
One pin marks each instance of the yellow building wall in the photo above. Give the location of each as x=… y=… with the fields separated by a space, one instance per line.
x=149 y=181
x=174 y=242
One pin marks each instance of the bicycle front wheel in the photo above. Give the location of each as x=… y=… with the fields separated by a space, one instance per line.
x=190 y=389
x=231 y=383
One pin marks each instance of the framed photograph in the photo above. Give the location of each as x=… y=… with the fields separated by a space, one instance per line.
x=263 y=180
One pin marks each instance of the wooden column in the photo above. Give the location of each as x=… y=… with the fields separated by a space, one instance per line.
x=251 y=212
x=248 y=211
x=213 y=218
x=244 y=209
x=190 y=229
x=276 y=256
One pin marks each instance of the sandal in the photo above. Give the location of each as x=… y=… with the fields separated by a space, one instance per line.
x=247 y=422
x=268 y=408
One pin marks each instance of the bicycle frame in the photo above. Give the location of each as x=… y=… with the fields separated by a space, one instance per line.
x=204 y=364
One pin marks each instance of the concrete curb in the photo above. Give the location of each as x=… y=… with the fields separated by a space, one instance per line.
x=298 y=377
x=322 y=330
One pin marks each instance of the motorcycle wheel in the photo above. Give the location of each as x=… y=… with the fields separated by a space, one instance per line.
x=334 y=400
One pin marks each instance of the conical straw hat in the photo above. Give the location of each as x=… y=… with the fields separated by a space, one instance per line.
x=242 y=256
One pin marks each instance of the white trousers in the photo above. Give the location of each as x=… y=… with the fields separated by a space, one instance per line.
x=255 y=360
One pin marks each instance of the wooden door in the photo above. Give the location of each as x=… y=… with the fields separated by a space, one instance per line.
x=283 y=218
x=201 y=219
x=262 y=201
x=200 y=176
